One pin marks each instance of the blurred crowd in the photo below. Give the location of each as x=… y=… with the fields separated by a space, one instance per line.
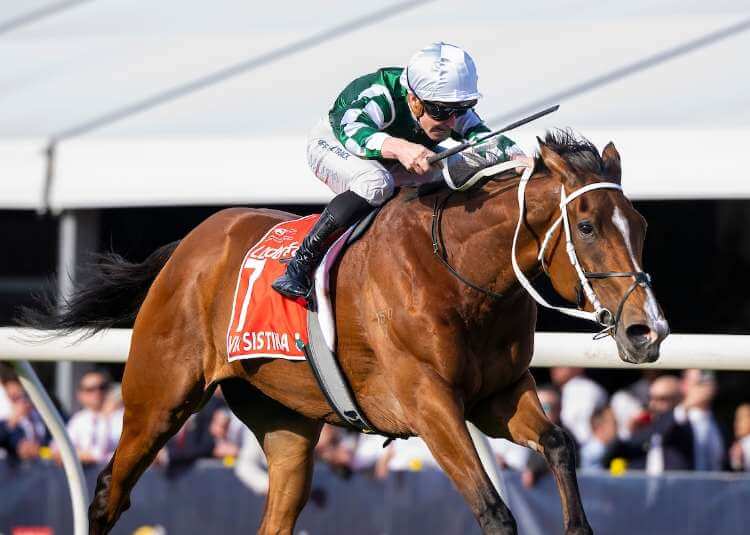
x=661 y=422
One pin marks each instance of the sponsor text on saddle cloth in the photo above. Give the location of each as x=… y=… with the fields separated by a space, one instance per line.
x=264 y=324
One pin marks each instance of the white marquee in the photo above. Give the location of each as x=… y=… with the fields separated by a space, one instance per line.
x=666 y=80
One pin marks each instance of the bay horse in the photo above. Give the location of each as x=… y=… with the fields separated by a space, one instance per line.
x=424 y=352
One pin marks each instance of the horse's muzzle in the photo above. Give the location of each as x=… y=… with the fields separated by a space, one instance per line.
x=639 y=343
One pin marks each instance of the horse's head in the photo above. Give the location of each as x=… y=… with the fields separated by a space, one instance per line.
x=607 y=234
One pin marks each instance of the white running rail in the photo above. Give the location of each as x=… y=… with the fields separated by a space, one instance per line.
x=679 y=351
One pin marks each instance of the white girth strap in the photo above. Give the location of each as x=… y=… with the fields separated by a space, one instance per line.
x=599 y=312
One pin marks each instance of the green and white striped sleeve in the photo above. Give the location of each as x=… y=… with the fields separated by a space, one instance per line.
x=359 y=127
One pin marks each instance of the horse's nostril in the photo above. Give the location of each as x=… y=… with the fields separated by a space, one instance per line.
x=639 y=334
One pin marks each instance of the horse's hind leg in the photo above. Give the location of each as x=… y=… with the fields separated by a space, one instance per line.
x=516 y=414
x=158 y=399
x=288 y=440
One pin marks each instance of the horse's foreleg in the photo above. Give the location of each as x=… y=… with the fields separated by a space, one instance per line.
x=516 y=414
x=158 y=399
x=439 y=421
x=288 y=440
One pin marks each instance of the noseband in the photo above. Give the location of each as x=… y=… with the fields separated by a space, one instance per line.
x=601 y=315
x=640 y=278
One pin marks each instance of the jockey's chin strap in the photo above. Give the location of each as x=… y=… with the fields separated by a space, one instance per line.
x=601 y=315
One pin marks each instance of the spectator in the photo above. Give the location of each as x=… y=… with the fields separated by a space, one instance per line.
x=536 y=465
x=739 y=453
x=410 y=455
x=699 y=389
x=23 y=432
x=662 y=441
x=403 y=457
x=92 y=430
x=549 y=397
x=520 y=458
x=509 y=454
x=227 y=435
x=251 y=467
x=580 y=397
x=336 y=448
x=192 y=442
x=5 y=405
x=603 y=436
x=629 y=404
x=114 y=409
x=551 y=400
x=367 y=452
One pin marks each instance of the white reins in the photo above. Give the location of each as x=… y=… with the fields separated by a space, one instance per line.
x=600 y=315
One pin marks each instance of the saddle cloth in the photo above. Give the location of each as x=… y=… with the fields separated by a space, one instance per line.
x=264 y=324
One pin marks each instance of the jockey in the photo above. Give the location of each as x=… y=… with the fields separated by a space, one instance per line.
x=378 y=135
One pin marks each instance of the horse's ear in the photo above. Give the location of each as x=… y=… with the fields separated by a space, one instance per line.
x=556 y=163
x=611 y=161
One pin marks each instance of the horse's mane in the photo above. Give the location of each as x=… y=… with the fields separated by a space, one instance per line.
x=578 y=151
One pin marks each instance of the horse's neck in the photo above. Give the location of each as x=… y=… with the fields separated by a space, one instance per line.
x=478 y=231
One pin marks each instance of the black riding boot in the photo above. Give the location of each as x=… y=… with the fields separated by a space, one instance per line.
x=342 y=212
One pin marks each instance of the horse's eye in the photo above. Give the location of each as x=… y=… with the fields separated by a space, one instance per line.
x=585 y=228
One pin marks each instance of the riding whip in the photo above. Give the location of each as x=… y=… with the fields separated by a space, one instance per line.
x=463 y=146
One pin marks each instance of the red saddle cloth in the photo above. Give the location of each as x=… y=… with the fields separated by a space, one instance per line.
x=264 y=324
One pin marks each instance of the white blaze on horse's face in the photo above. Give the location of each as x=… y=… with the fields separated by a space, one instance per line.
x=652 y=310
x=642 y=323
x=610 y=237
x=605 y=244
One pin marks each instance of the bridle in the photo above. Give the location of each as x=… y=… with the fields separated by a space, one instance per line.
x=601 y=315
x=439 y=249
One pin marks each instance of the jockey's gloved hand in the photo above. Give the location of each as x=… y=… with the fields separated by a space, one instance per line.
x=491 y=151
x=498 y=149
x=460 y=167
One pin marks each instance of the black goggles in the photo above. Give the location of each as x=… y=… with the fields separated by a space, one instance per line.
x=442 y=112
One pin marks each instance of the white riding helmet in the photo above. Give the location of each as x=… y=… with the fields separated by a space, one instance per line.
x=442 y=73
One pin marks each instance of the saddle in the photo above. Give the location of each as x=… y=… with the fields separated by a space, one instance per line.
x=266 y=325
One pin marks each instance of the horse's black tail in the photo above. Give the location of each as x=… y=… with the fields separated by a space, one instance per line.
x=110 y=295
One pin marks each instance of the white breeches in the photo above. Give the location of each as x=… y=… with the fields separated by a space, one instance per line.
x=341 y=170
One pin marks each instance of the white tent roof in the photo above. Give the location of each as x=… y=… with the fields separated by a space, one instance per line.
x=680 y=120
